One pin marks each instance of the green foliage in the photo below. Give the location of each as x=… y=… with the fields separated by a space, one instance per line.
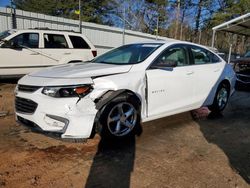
x=91 y=10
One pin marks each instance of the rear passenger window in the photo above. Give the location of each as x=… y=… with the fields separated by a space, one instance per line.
x=55 y=41
x=203 y=56
x=79 y=42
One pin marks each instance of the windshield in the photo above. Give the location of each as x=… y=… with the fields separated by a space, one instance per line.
x=247 y=54
x=4 y=34
x=128 y=54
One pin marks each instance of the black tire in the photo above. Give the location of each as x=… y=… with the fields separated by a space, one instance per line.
x=110 y=113
x=220 y=99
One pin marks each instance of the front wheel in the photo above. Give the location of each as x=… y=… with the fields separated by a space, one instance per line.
x=220 y=99
x=120 y=118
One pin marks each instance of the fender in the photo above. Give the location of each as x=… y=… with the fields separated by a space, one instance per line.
x=107 y=97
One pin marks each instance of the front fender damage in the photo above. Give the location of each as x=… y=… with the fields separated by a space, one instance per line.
x=83 y=115
x=86 y=112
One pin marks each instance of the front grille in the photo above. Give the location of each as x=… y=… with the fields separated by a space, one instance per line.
x=27 y=88
x=25 y=105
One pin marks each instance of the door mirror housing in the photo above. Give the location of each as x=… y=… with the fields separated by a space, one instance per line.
x=165 y=65
x=10 y=44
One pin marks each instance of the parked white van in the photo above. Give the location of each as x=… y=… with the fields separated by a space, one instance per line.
x=25 y=51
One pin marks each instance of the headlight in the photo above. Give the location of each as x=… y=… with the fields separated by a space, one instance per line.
x=67 y=91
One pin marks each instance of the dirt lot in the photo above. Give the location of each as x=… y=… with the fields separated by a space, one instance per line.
x=176 y=151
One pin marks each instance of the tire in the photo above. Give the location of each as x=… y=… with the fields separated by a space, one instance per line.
x=120 y=117
x=220 y=99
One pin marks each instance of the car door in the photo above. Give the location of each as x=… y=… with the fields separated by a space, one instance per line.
x=170 y=86
x=20 y=55
x=55 y=47
x=81 y=48
x=207 y=68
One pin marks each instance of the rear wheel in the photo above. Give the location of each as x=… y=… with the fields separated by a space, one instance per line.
x=120 y=117
x=220 y=99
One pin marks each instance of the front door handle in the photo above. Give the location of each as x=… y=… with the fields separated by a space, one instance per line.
x=67 y=53
x=190 y=72
x=216 y=70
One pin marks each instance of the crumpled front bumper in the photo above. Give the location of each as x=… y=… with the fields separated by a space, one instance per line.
x=63 y=116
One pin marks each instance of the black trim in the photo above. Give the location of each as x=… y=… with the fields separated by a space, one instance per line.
x=28 y=88
x=104 y=100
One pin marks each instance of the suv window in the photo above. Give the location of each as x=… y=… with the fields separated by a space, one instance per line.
x=203 y=56
x=4 y=34
x=79 y=42
x=174 y=56
x=30 y=40
x=55 y=41
x=247 y=54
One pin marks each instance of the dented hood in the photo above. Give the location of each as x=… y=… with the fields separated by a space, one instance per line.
x=81 y=70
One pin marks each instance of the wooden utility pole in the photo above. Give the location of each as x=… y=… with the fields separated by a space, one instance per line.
x=157 y=28
x=80 y=21
x=124 y=25
x=13 y=15
x=177 y=18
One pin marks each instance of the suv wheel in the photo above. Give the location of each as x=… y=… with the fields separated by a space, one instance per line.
x=220 y=99
x=120 y=117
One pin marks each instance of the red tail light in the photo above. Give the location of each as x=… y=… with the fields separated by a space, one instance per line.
x=94 y=52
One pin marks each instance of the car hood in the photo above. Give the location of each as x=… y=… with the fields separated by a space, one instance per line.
x=81 y=70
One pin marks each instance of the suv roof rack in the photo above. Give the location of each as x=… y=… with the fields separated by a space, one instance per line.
x=46 y=28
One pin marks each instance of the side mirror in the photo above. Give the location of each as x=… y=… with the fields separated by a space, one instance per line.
x=167 y=63
x=171 y=64
x=10 y=44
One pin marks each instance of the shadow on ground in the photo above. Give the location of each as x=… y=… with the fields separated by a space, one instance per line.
x=8 y=81
x=231 y=133
x=113 y=163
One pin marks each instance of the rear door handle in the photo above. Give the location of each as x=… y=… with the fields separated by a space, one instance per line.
x=34 y=53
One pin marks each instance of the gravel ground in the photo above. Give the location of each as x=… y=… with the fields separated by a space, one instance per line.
x=176 y=151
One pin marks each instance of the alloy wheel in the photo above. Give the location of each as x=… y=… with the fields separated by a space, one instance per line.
x=122 y=118
x=222 y=98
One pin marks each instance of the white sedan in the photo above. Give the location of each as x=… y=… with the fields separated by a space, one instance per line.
x=118 y=90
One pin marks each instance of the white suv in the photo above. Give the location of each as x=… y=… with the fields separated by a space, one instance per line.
x=117 y=90
x=25 y=51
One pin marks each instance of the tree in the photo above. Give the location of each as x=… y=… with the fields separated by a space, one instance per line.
x=91 y=10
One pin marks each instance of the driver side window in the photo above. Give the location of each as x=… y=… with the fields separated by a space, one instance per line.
x=172 y=57
x=30 y=40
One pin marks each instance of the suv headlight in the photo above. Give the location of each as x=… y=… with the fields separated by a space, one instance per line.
x=67 y=91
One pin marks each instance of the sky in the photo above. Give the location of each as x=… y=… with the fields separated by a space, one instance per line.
x=4 y=3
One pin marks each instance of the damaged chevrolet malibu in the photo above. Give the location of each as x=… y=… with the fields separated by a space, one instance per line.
x=115 y=92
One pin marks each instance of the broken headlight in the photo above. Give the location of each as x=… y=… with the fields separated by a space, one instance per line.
x=67 y=91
